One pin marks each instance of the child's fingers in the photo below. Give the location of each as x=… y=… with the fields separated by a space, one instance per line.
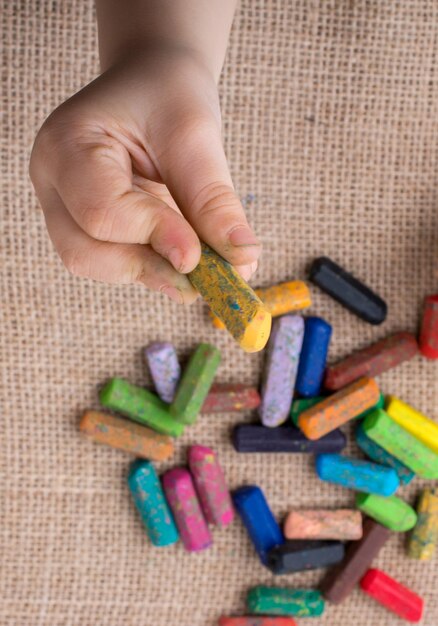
x=110 y=262
x=196 y=172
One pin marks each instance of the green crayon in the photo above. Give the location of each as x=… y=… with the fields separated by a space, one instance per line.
x=391 y=511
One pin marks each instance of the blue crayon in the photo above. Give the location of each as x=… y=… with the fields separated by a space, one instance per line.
x=355 y=474
x=378 y=454
x=151 y=503
x=262 y=527
x=313 y=357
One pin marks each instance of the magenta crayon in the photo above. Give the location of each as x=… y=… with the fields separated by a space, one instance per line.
x=181 y=495
x=210 y=485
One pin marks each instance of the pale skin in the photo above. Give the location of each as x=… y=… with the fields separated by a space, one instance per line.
x=130 y=171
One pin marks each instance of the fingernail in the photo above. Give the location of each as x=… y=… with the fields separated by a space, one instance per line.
x=254 y=267
x=243 y=236
x=173 y=293
x=175 y=256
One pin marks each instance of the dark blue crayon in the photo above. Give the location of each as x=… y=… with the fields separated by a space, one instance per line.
x=287 y=438
x=313 y=357
x=259 y=521
x=380 y=455
x=298 y=555
x=356 y=474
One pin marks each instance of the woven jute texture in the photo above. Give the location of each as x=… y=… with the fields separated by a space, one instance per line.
x=331 y=127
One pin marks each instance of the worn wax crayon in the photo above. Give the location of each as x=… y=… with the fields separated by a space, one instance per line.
x=140 y=405
x=298 y=555
x=228 y=398
x=125 y=435
x=280 y=299
x=278 y=601
x=380 y=455
x=357 y=474
x=256 y=621
x=429 y=328
x=339 y=408
x=341 y=524
x=348 y=290
x=300 y=405
x=379 y=427
x=339 y=582
x=149 y=499
x=181 y=495
x=164 y=368
x=262 y=527
x=210 y=485
x=232 y=300
x=420 y=426
x=391 y=511
x=286 y=438
x=281 y=369
x=393 y=595
x=424 y=535
x=313 y=357
x=371 y=361
x=195 y=383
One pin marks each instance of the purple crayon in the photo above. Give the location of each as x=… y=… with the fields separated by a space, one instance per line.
x=211 y=486
x=164 y=367
x=281 y=369
x=180 y=493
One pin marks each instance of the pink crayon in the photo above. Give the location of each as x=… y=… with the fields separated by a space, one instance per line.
x=180 y=493
x=211 y=486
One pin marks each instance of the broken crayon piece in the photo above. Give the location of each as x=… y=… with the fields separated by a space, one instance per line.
x=340 y=524
x=297 y=555
x=391 y=511
x=210 y=485
x=339 y=408
x=232 y=300
x=313 y=357
x=356 y=474
x=257 y=517
x=256 y=621
x=149 y=499
x=164 y=368
x=420 y=426
x=379 y=427
x=301 y=404
x=348 y=290
x=393 y=595
x=228 y=398
x=195 y=383
x=371 y=361
x=286 y=438
x=380 y=455
x=424 y=535
x=280 y=299
x=281 y=369
x=181 y=495
x=125 y=435
x=429 y=328
x=278 y=601
x=140 y=405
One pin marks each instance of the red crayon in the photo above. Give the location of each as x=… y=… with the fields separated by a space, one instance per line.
x=429 y=328
x=228 y=398
x=394 y=596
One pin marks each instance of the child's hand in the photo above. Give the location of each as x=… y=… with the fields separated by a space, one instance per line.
x=131 y=171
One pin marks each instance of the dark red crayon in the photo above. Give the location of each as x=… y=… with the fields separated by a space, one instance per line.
x=228 y=398
x=429 y=328
x=393 y=595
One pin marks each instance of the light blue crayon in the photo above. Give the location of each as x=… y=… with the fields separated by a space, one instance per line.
x=356 y=474
x=380 y=455
x=151 y=503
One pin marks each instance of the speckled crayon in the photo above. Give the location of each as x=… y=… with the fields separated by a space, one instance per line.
x=195 y=383
x=228 y=398
x=281 y=369
x=164 y=368
x=341 y=524
x=357 y=474
x=424 y=536
x=210 y=485
x=313 y=357
x=151 y=504
x=181 y=495
x=278 y=601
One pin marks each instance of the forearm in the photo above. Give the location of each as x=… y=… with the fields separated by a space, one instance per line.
x=200 y=27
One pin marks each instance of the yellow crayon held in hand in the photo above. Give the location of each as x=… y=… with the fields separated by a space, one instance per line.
x=280 y=299
x=232 y=300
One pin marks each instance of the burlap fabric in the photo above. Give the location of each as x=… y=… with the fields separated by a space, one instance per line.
x=331 y=127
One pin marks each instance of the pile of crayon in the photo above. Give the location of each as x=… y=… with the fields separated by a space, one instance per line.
x=301 y=406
